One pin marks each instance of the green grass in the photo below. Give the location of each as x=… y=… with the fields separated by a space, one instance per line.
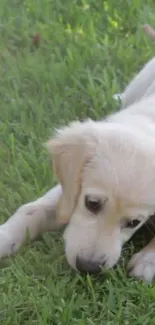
x=88 y=51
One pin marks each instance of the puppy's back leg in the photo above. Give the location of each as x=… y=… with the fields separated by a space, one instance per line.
x=140 y=85
x=32 y=218
x=151 y=90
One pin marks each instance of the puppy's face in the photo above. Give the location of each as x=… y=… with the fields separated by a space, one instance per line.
x=107 y=193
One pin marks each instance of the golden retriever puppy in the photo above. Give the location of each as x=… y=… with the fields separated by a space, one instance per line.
x=106 y=171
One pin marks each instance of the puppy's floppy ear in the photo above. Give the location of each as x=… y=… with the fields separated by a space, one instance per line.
x=71 y=148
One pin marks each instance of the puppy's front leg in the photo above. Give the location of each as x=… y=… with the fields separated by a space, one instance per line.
x=34 y=218
x=142 y=264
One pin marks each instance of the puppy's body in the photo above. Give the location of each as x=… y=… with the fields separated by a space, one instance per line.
x=107 y=174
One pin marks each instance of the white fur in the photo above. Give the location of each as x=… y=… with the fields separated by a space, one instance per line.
x=142 y=265
x=30 y=219
x=113 y=159
x=120 y=167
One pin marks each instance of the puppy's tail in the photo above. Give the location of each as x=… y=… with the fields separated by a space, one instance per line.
x=149 y=31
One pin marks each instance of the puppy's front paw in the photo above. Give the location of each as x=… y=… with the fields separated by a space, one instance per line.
x=142 y=265
x=7 y=245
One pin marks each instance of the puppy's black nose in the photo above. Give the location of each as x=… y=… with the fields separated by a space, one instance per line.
x=86 y=266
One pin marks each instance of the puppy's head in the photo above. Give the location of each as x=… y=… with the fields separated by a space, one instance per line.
x=107 y=190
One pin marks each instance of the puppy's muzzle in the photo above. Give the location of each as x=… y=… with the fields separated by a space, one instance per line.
x=87 y=266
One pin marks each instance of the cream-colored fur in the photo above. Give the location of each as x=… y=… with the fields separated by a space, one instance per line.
x=111 y=161
x=116 y=159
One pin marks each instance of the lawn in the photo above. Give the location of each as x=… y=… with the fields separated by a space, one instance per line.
x=87 y=50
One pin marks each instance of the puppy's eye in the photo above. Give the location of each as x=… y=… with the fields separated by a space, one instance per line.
x=94 y=205
x=132 y=224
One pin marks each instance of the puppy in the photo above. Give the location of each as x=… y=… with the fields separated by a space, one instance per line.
x=106 y=191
